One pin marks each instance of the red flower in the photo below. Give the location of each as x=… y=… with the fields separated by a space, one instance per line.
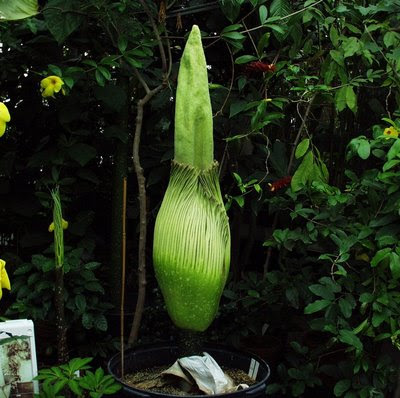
x=259 y=67
x=282 y=183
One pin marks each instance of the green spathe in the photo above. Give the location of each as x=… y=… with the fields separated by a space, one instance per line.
x=191 y=252
x=193 y=114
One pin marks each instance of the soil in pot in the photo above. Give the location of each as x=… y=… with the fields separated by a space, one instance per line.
x=150 y=380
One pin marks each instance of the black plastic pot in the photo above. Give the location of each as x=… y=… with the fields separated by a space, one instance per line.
x=159 y=355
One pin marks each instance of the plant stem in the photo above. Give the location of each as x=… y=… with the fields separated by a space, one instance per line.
x=190 y=343
x=123 y=267
x=142 y=216
x=62 y=346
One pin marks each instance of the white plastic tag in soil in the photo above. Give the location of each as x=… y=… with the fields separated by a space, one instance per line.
x=204 y=372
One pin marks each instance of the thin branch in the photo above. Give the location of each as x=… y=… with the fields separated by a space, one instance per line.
x=395 y=74
x=142 y=216
x=251 y=39
x=157 y=34
x=303 y=127
x=142 y=81
x=285 y=17
x=231 y=83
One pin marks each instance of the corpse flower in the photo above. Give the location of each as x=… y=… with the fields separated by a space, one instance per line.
x=191 y=252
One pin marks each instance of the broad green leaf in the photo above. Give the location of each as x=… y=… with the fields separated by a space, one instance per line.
x=341 y=387
x=302 y=148
x=337 y=56
x=11 y=10
x=316 y=306
x=351 y=46
x=231 y=28
x=80 y=302
x=346 y=307
x=394 y=265
x=122 y=43
x=394 y=150
x=233 y=35
x=341 y=99
x=263 y=13
x=351 y=98
x=303 y=173
x=244 y=59
x=380 y=255
x=363 y=149
x=82 y=153
x=391 y=39
x=61 y=18
x=334 y=36
x=348 y=337
x=323 y=291
x=280 y=8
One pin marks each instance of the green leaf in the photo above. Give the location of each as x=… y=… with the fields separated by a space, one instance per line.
x=80 y=302
x=105 y=72
x=280 y=8
x=380 y=256
x=82 y=153
x=351 y=98
x=244 y=59
x=391 y=39
x=323 y=291
x=394 y=265
x=122 y=43
x=100 y=79
x=87 y=320
x=100 y=322
x=346 y=307
x=341 y=387
x=316 y=306
x=334 y=36
x=302 y=148
x=348 y=337
x=341 y=99
x=303 y=173
x=337 y=56
x=394 y=150
x=233 y=35
x=351 y=46
x=61 y=18
x=11 y=10
x=263 y=13
x=363 y=149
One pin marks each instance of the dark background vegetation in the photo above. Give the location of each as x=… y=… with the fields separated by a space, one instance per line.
x=315 y=261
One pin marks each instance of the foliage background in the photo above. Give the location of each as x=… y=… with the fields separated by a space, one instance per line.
x=323 y=251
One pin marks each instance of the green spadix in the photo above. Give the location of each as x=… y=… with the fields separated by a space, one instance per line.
x=191 y=252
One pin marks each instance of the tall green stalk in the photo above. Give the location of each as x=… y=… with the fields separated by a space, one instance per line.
x=191 y=251
x=62 y=347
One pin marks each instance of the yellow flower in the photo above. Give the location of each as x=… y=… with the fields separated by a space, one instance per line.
x=4 y=118
x=390 y=132
x=51 y=85
x=4 y=281
x=64 y=225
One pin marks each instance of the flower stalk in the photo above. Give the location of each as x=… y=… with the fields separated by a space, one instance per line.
x=191 y=252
